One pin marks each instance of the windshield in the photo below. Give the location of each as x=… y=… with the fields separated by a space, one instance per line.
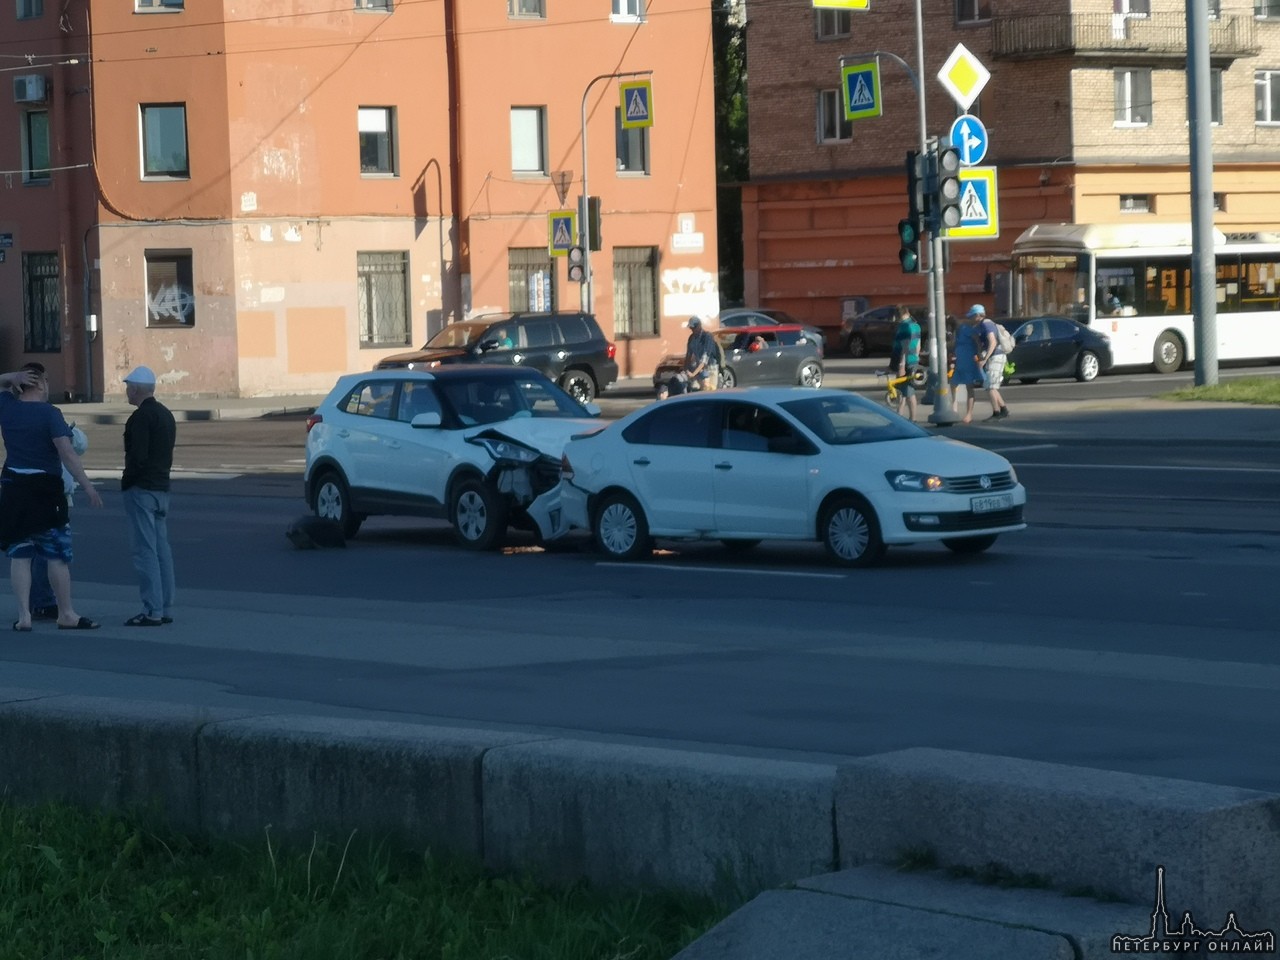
x=459 y=334
x=1052 y=283
x=492 y=400
x=843 y=418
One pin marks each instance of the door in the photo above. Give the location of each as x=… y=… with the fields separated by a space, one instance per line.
x=417 y=461
x=760 y=490
x=538 y=348
x=669 y=459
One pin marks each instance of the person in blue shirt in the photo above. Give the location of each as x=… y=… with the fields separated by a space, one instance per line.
x=968 y=373
x=906 y=357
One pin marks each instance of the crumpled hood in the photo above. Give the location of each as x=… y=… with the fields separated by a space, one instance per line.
x=921 y=454
x=546 y=435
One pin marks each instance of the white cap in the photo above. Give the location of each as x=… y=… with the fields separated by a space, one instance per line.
x=142 y=376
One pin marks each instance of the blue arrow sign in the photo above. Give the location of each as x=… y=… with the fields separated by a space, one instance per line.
x=969 y=136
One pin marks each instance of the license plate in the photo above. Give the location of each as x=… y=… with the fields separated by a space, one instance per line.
x=990 y=504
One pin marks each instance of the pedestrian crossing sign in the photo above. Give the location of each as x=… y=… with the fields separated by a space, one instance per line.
x=861 y=82
x=979 y=205
x=637 y=103
x=562 y=231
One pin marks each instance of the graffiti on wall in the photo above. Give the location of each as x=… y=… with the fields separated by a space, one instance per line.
x=690 y=291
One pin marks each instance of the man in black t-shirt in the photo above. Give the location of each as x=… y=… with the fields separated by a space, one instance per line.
x=149 y=437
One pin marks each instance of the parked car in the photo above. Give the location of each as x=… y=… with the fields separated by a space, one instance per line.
x=759 y=355
x=751 y=317
x=872 y=332
x=1058 y=347
x=468 y=443
x=569 y=348
x=786 y=464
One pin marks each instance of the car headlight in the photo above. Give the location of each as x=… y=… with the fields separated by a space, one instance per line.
x=912 y=482
x=506 y=450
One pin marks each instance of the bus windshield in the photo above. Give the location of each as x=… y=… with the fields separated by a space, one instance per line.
x=1053 y=283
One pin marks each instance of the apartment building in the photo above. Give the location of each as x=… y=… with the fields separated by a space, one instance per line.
x=253 y=199
x=1086 y=112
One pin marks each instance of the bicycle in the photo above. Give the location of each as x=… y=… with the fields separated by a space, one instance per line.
x=918 y=377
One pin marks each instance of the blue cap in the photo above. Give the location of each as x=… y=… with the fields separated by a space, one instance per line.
x=977 y=310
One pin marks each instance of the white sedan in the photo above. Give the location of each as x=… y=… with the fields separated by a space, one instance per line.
x=743 y=466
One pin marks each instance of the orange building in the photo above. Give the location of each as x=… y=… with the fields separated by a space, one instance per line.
x=1086 y=116
x=253 y=199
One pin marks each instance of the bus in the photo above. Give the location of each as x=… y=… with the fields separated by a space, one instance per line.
x=1133 y=283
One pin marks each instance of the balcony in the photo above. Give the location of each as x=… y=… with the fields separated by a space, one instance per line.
x=1153 y=37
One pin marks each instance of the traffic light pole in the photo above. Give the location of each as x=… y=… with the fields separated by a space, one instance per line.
x=584 y=226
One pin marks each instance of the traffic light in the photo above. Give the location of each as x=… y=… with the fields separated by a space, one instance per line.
x=946 y=205
x=909 y=254
x=577 y=265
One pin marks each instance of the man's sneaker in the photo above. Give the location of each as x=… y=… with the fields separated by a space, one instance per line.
x=995 y=416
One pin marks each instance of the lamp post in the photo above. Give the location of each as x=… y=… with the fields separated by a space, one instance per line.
x=584 y=225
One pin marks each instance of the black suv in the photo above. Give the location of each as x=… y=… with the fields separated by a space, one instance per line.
x=569 y=348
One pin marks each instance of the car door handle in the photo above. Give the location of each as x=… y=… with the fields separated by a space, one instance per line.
x=393 y=444
x=344 y=433
x=724 y=466
x=642 y=462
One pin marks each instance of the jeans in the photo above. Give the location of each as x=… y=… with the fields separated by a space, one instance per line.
x=147 y=511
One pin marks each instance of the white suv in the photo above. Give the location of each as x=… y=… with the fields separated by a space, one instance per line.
x=470 y=444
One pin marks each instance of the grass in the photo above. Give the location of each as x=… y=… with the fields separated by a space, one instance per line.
x=76 y=885
x=1260 y=390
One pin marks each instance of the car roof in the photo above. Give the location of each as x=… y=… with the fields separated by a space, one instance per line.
x=772 y=328
x=772 y=395
x=447 y=372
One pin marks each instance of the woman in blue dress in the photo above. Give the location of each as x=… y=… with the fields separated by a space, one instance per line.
x=967 y=371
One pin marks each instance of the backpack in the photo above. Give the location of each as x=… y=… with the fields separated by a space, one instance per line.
x=1004 y=338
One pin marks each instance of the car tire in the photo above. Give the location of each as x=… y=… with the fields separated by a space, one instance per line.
x=578 y=384
x=737 y=545
x=969 y=545
x=333 y=502
x=478 y=514
x=857 y=346
x=850 y=532
x=1170 y=354
x=810 y=375
x=619 y=527
x=728 y=378
x=1087 y=367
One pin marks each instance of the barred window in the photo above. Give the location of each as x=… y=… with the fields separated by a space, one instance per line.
x=635 y=291
x=171 y=292
x=41 y=303
x=383 y=298
x=531 y=280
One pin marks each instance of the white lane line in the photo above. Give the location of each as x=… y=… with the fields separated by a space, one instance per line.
x=685 y=568
x=1128 y=466
x=1030 y=446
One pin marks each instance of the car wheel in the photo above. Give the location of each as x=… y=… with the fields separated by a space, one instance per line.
x=969 y=545
x=1087 y=367
x=811 y=375
x=478 y=514
x=620 y=529
x=579 y=385
x=727 y=377
x=851 y=533
x=857 y=346
x=740 y=546
x=1169 y=353
x=333 y=502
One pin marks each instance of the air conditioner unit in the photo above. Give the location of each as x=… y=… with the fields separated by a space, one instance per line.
x=29 y=89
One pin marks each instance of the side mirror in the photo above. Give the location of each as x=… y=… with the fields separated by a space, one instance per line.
x=425 y=420
x=490 y=344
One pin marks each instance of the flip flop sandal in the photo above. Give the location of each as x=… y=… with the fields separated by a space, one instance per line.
x=20 y=628
x=84 y=623
x=142 y=620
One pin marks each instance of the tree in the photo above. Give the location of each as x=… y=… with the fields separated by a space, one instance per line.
x=729 y=49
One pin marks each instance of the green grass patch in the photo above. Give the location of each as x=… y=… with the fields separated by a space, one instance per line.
x=1261 y=390
x=76 y=885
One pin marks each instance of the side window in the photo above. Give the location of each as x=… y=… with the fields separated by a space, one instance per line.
x=748 y=427
x=675 y=425
x=371 y=400
x=539 y=333
x=789 y=338
x=573 y=329
x=1057 y=329
x=416 y=397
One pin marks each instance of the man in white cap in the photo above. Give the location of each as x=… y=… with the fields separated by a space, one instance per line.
x=991 y=358
x=701 y=357
x=149 y=437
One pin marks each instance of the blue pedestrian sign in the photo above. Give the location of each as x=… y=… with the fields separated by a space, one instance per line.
x=969 y=136
x=637 y=103
x=562 y=228
x=979 y=204
x=861 y=83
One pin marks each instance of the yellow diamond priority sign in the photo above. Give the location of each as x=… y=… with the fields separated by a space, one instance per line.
x=964 y=76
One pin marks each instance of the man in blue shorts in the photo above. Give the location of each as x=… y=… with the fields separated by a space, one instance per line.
x=906 y=357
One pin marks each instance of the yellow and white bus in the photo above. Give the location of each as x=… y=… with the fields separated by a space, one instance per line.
x=1133 y=283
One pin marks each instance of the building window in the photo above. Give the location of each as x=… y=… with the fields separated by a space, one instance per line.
x=1133 y=97
x=833 y=24
x=380 y=6
x=1136 y=203
x=531 y=280
x=41 y=303
x=383 y=298
x=377 y=127
x=1215 y=9
x=529 y=141
x=1266 y=96
x=30 y=9
x=150 y=6
x=526 y=8
x=1215 y=97
x=635 y=291
x=1219 y=202
x=973 y=11
x=1133 y=8
x=832 y=125
x=171 y=293
x=633 y=145
x=628 y=9
x=164 y=140
x=35 y=146
x=1266 y=8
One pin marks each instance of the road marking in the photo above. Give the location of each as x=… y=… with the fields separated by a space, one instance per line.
x=1030 y=446
x=1126 y=466
x=684 y=568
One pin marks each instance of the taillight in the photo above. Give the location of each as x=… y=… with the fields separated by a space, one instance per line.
x=566 y=468
x=613 y=350
x=313 y=420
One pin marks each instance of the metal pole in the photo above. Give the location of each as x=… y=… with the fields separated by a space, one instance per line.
x=584 y=227
x=1203 y=272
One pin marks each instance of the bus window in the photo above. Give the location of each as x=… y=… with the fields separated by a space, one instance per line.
x=1227 y=293
x=1261 y=287
x=1168 y=288
x=1119 y=280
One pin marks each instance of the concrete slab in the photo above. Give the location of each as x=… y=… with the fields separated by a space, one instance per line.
x=1078 y=827
x=638 y=816
x=304 y=774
